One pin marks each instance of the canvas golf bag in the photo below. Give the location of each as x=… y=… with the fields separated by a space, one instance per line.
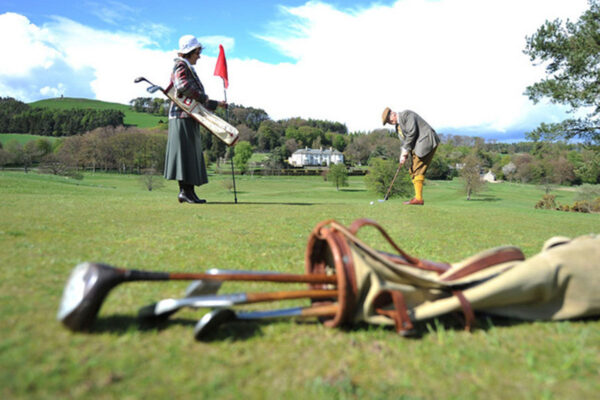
x=225 y=132
x=376 y=287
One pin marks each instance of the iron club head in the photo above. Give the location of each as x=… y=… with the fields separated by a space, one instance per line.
x=153 y=89
x=211 y=321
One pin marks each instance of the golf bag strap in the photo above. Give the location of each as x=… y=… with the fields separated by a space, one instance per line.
x=402 y=257
x=500 y=256
x=399 y=314
x=466 y=309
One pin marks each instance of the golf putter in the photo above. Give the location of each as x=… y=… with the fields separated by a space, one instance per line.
x=391 y=185
x=210 y=322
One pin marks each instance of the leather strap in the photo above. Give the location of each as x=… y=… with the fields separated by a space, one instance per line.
x=466 y=309
x=399 y=314
x=502 y=256
x=403 y=257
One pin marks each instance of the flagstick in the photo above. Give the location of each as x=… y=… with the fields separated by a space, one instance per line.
x=230 y=151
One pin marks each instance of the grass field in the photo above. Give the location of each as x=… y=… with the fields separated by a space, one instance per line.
x=141 y=120
x=49 y=224
x=22 y=138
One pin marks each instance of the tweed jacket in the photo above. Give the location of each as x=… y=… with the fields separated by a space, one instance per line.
x=188 y=84
x=416 y=134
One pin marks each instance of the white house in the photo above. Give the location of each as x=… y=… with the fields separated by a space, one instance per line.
x=307 y=156
x=489 y=176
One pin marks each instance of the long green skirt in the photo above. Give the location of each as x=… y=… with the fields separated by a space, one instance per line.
x=184 y=160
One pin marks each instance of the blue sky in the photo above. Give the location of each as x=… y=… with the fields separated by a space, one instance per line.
x=459 y=63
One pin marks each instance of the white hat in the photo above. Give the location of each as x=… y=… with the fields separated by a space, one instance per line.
x=188 y=43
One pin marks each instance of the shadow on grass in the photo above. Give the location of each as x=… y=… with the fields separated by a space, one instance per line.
x=238 y=330
x=485 y=197
x=261 y=203
x=352 y=190
x=121 y=324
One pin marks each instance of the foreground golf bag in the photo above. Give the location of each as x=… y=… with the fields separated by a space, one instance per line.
x=350 y=282
x=561 y=282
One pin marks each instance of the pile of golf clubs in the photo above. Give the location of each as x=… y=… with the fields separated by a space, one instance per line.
x=90 y=283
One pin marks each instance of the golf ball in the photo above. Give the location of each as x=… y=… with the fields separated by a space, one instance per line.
x=371 y=203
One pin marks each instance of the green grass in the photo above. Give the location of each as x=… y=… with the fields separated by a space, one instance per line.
x=49 y=224
x=22 y=138
x=141 y=120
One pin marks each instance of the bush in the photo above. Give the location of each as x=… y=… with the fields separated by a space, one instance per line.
x=548 y=202
x=338 y=175
x=380 y=175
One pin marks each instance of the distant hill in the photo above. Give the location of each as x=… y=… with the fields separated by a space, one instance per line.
x=142 y=120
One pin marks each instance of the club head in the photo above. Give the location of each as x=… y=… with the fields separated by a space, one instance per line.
x=86 y=288
x=209 y=323
x=151 y=313
x=139 y=79
x=153 y=89
x=202 y=288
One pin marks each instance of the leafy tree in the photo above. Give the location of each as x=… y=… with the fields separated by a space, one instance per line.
x=379 y=178
x=570 y=51
x=247 y=134
x=471 y=176
x=338 y=175
x=439 y=169
x=269 y=133
x=243 y=153
x=339 y=142
x=587 y=166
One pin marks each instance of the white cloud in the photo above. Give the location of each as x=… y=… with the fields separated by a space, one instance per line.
x=459 y=63
x=23 y=46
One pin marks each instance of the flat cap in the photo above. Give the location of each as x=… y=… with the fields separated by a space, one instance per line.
x=385 y=115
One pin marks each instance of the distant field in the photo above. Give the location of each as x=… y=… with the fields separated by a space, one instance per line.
x=22 y=138
x=48 y=224
x=142 y=120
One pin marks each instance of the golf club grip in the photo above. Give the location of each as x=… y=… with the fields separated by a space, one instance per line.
x=289 y=295
x=320 y=311
x=267 y=277
x=139 y=275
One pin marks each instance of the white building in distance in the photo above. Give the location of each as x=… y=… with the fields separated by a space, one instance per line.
x=316 y=157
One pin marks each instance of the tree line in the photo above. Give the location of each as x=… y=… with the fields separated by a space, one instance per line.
x=121 y=149
x=18 y=117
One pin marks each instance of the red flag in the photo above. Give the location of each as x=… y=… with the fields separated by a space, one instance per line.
x=221 y=67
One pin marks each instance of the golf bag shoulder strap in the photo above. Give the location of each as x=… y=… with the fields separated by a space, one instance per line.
x=448 y=272
x=402 y=257
x=483 y=260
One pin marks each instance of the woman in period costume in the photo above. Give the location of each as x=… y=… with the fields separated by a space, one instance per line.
x=184 y=160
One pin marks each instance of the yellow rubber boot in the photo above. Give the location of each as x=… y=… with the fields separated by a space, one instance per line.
x=418 y=184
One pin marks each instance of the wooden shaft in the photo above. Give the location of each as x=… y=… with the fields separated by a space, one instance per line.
x=288 y=295
x=320 y=311
x=266 y=277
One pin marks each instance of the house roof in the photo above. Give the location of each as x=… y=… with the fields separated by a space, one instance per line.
x=306 y=150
